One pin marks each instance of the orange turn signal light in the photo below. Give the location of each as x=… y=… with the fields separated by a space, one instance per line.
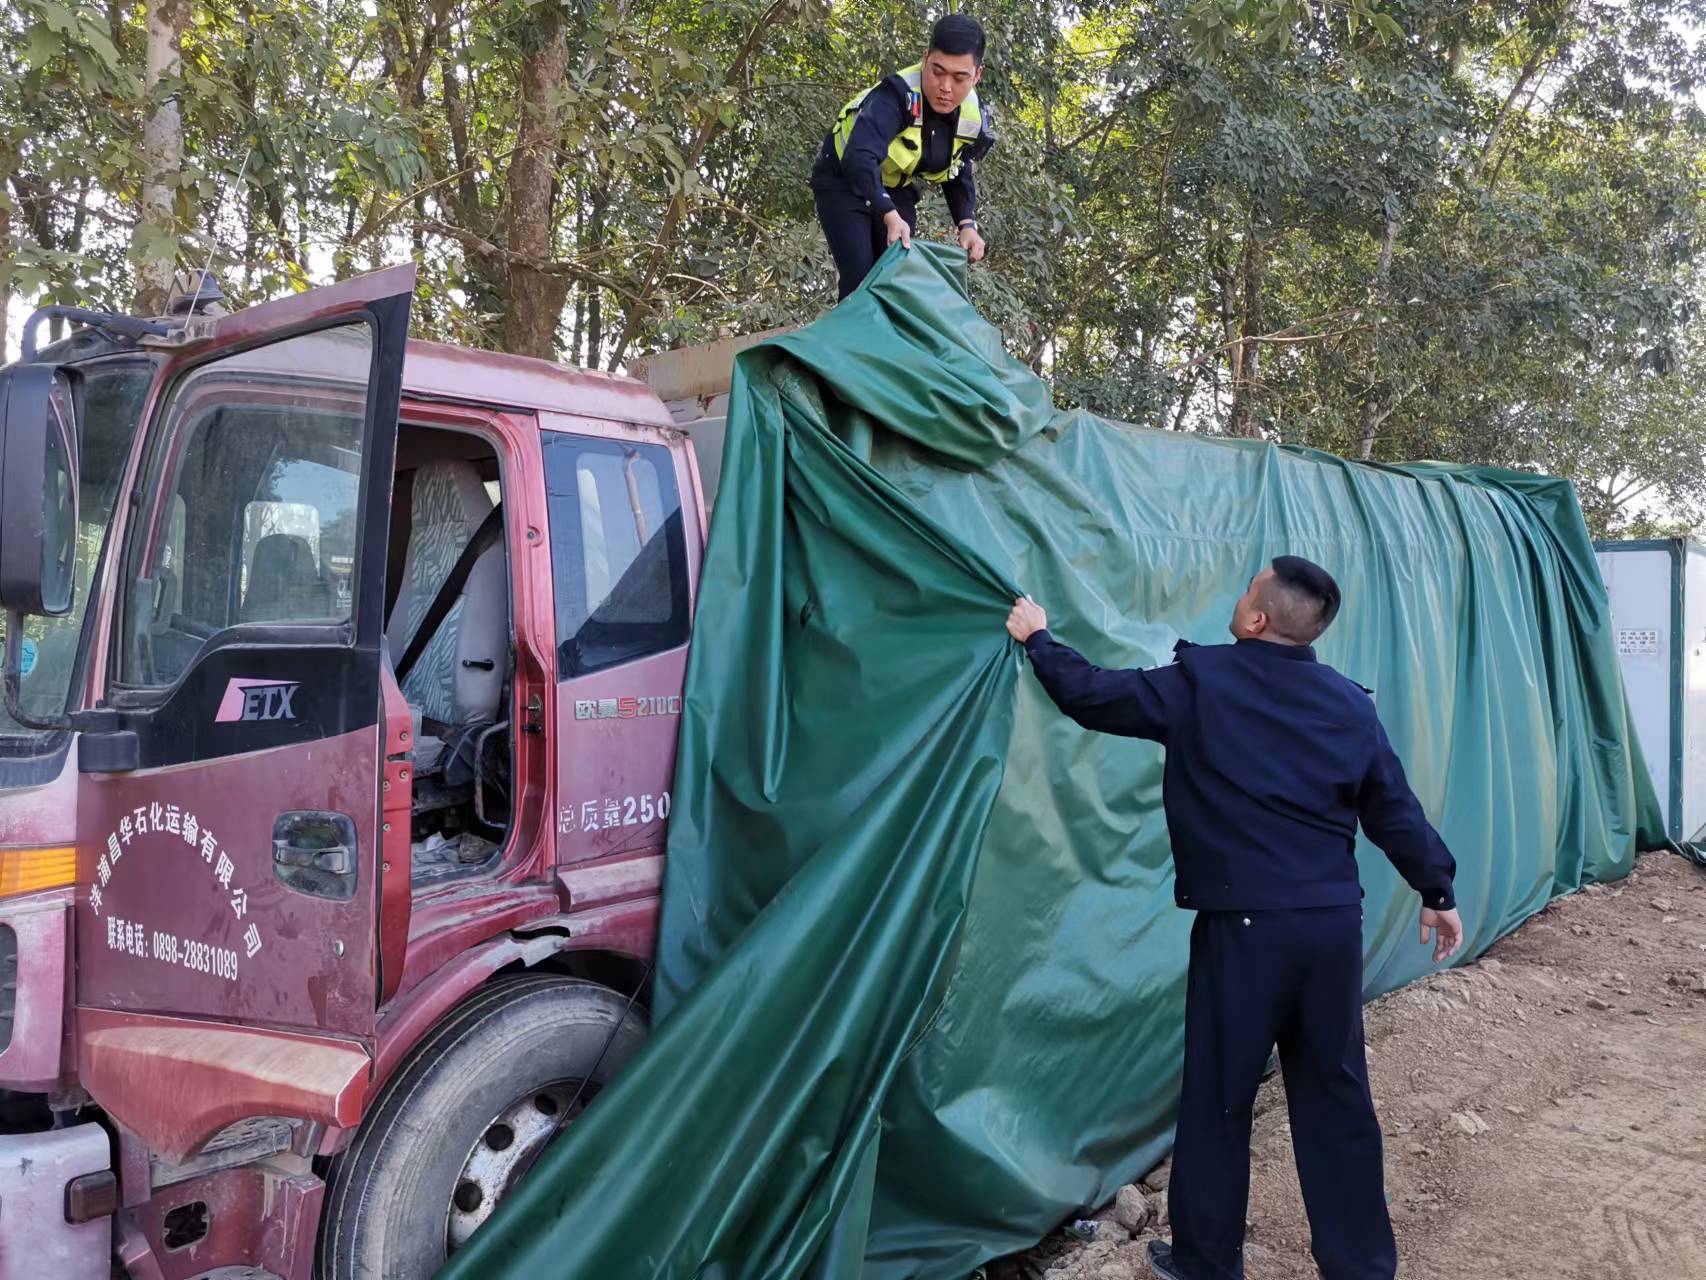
x=26 y=870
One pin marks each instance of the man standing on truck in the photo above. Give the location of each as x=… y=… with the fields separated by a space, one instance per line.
x=1272 y=759
x=922 y=125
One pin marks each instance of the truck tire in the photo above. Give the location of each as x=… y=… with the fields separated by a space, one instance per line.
x=449 y=1131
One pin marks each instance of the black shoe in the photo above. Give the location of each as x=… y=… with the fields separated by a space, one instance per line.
x=1161 y=1261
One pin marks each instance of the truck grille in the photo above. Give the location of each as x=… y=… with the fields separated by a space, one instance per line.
x=8 y=983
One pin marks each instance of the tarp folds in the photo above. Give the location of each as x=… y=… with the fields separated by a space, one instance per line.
x=920 y=983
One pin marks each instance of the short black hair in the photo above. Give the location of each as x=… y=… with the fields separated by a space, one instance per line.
x=957 y=34
x=1310 y=599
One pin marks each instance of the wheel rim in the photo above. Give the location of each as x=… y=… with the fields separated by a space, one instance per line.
x=506 y=1146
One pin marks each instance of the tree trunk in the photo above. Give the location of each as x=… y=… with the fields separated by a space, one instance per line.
x=1530 y=69
x=1247 y=358
x=244 y=84
x=162 y=156
x=536 y=297
x=594 y=295
x=251 y=243
x=1370 y=424
x=1226 y=289
x=79 y=219
x=342 y=263
x=5 y=281
x=467 y=198
x=1186 y=391
x=1373 y=413
x=36 y=209
x=578 y=327
x=1184 y=404
x=486 y=275
x=275 y=215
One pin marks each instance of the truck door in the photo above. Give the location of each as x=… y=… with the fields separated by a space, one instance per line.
x=621 y=555
x=229 y=809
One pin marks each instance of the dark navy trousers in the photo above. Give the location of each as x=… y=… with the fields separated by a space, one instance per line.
x=857 y=237
x=1291 y=978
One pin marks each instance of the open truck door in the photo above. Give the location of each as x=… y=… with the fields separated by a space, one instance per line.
x=230 y=823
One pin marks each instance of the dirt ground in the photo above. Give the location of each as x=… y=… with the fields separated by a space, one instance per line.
x=1544 y=1109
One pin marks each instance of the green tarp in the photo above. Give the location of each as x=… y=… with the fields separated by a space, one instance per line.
x=920 y=983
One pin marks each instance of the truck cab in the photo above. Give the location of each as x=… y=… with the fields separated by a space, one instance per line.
x=344 y=677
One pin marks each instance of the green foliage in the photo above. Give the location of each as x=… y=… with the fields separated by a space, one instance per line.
x=1405 y=228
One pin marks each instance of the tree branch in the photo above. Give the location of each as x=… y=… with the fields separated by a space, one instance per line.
x=1292 y=334
x=677 y=210
x=1530 y=68
x=1619 y=501
x=545 y=266
x=380 y=216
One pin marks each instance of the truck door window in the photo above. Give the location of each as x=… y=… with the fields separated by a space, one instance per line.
x=169 y=594
x=252 y=502
x=618 y=554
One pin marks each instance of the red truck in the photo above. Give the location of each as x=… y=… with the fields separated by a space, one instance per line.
x=343 y=677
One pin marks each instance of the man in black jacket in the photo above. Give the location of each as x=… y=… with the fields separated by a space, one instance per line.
x=1273 y=758
x=922 y=125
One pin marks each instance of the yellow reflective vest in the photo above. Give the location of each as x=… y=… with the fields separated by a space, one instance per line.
x=901 y=163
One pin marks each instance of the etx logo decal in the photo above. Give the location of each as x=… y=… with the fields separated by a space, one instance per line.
x=257 y=700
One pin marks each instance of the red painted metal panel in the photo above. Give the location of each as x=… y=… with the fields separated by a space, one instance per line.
x=42 y=922
x=616 y=733
x=191 y=918
x=468 y=917
x=627 y=927
x=256 y=1216
x=303 y=308
x=45 y=816
x=603 y=881
x=395 y=865
x=175 y=1082
x=461 y=373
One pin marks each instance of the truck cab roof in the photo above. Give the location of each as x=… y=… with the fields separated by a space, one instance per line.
x=438 y=371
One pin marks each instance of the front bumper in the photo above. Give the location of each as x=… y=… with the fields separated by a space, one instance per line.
x=35 y=1238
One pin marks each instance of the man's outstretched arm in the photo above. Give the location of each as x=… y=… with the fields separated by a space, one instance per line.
x=1132 y=704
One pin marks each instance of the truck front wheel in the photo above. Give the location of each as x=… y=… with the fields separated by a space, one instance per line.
x=456 y=1126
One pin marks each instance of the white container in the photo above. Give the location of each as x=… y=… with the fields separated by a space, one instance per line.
x=1658 y=608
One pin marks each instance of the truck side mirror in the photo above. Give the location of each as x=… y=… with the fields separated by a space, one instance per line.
x=38 y=491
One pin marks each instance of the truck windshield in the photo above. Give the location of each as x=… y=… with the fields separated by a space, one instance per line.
x=114 y=391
